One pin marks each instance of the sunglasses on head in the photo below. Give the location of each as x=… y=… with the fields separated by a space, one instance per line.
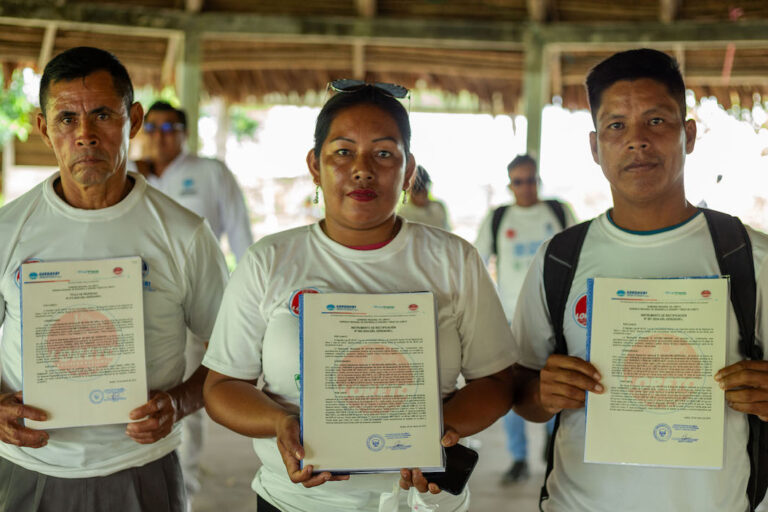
x=166 y=127
x=524 y=181
x=351 y=85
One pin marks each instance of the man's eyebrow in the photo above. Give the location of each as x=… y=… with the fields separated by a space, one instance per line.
x=343 y=138
x=101 y=110
x=385 y=138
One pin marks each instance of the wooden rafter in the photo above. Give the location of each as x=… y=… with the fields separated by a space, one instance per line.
x=668 y=10
x=538 y=10
x=46 y=49
x=366 y=8
x=193 y=5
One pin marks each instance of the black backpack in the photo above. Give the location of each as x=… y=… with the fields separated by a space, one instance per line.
x=734 y=257
x=554 y=205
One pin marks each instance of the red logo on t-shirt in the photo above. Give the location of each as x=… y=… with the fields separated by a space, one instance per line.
x=706 y=293
x=580 y=311
x=511 y=233
x=293 y=303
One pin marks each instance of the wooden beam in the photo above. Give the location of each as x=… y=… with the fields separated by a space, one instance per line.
x=46 y=48
x=470 y=34
x=366 y=8
x=358 y=60
x=537 y=10
x=171 y=58
x=668 y=10
x=190 y=85
x=693 y=34
x=556 y=72
x=713 y=79
x=193 y=5
x=535 y=94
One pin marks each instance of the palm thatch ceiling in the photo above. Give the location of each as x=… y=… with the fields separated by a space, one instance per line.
x=251 y=50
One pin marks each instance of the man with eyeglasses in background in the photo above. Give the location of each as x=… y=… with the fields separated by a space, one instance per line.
x=207 y=187
x=512 y=233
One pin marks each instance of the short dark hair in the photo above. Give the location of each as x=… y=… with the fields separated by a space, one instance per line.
x=164 y=106
x=365 y=95
x=634 y=65
x=522 y=160
x=422 y=180
x=81 y=62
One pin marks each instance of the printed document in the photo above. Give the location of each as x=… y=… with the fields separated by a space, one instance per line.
x=370 y=396
x=83 y=341
x=657 y=344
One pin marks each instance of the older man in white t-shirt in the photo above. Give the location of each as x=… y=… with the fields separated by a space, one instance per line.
x=93 y=209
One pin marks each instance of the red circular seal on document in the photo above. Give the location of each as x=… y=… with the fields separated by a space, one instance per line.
x=81 y=343
x=374 y=379
x=662 y=371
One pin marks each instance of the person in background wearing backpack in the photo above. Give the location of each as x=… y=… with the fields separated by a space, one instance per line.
x=641 y=139
x=513 y=233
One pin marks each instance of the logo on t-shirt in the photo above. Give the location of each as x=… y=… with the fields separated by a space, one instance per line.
x=188 y=187
x=580 y=311
x=511 y=233
x=293 y=302
x=18 y=269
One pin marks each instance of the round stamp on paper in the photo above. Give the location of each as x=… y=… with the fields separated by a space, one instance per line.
x=663 y=371
x=82 y=343
x=375 y=443
x=96 y=396
x=374 y=380
x=662 y=432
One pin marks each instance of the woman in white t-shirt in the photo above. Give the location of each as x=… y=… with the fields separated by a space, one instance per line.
x=362 y=163
x=420 y=208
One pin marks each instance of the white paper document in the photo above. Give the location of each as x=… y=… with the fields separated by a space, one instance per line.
x=657 y=344
x=83 y=341
x=370 y=395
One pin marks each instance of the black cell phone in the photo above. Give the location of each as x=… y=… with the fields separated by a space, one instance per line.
x=459 y=463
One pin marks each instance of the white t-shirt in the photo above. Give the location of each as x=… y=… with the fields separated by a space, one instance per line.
x=433 y=214
x=208 y=188
x=608 y=251
x=184 y=278
x=521 y=232
x=257 y=331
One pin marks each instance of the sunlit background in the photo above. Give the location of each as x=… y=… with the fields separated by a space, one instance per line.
x=466 y=156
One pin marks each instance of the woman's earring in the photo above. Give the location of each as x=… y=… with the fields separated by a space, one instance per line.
x=405 y=196
x=317 y=194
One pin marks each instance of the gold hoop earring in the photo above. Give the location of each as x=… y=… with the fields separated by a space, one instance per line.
x=405 y=196
x=317 y=194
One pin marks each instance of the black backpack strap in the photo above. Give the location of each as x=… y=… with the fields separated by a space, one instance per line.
x=558 y=209
x=560 y=261
x=498 y=213
x=734 y=257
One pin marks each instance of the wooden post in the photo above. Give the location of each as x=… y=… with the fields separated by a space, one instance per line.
x=190 y=86
x=535 y=87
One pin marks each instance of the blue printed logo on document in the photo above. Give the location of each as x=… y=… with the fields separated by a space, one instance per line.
x=98 y=396
x=375 y=442
x=662 y=432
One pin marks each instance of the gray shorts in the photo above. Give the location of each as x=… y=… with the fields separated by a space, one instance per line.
x=154 y=487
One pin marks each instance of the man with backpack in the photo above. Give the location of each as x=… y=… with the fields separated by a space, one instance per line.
x=513 y=233
x=641 y=138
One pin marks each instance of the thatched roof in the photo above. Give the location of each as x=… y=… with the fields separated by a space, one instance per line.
x=249 y=50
